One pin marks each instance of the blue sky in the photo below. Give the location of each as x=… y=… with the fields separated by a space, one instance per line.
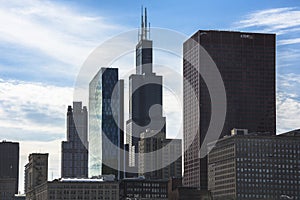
x=43 y=45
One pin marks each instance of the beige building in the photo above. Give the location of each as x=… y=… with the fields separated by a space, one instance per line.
x=159 y=158
x=81 y=189
x=36 y=173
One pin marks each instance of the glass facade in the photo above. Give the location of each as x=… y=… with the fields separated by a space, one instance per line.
x=105 y=123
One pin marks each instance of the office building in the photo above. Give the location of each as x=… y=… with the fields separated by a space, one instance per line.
x=172 y=158
x=246 y=62
x=7 y=188
x=74 y=162
x=255 y=166
x=150 y=155
x=9 y=166
x=159 y=158
x=140 y=188
x=36 y=173
x=176 y=191
x=106 y=112
x=145 y=92
x=83 y=189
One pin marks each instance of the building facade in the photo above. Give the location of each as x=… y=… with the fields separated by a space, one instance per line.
x=139 y=188
x=145 y=92
x=172 y=158
x=246 y=62
x=159 y=158
x=150 y=155
x=36 y=173
x=9 y=165
x=255 y=167
x=83 y=189
x=7 y=188
x=74 y=162
x=106 y=113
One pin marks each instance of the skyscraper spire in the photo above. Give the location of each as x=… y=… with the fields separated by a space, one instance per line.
x=144 y=28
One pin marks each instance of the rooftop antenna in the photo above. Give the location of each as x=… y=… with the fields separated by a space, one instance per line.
x=145 y=23
x=142 y=24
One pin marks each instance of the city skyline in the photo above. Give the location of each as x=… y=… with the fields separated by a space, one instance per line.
x=26 y=71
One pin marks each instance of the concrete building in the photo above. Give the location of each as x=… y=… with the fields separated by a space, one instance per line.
x=36 y=173
x=143 y=189
x=9 y=167
x=255 y=166
x=246 y=63
x=172 y=158
x=83 y=189
x=176 y=191
x=106 y=123
x=150 y=154
x=74 y=162
x=159 y=158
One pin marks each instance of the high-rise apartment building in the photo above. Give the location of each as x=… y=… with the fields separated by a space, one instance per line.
x=74 y=162
x=9 y=165
x=36 y=173
x=246 y=62
x=145 y=92
x=106 y=113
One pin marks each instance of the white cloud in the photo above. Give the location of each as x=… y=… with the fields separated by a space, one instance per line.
x=278 y=20
x=33 y=107
x=288 y=112
x=288 y=41
x=62 y=33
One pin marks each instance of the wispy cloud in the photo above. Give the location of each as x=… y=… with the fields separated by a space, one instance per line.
x=278 y=20
x=63 y=36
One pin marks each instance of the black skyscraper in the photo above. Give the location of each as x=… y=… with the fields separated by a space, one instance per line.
x=75 y=149
x=246 y=62
x=145 y=91
x=9 y=162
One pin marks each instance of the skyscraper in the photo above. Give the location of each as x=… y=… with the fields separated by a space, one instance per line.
x=106 y=112
x=145 y=92
x=9 y=163
x=74 y=162
x=246 y=62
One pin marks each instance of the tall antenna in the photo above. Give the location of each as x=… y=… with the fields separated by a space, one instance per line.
x=143 y=33
x=146 y=23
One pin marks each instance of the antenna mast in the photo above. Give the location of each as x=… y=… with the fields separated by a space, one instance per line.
x=143 y=33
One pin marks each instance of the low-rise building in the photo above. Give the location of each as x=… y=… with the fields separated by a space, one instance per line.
x=254 y=166
x=143 y=189
x=83 y=189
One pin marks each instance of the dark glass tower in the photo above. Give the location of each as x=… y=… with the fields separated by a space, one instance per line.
x=246 y=62
x=106 y=113
x=9 y=162
x=145 y=91
x=75 y=149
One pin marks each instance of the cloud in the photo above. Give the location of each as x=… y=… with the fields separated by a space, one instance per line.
x=276 y=20
x=288 y=102
x=288 y=41
x=33 y=111
x=59 y=35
